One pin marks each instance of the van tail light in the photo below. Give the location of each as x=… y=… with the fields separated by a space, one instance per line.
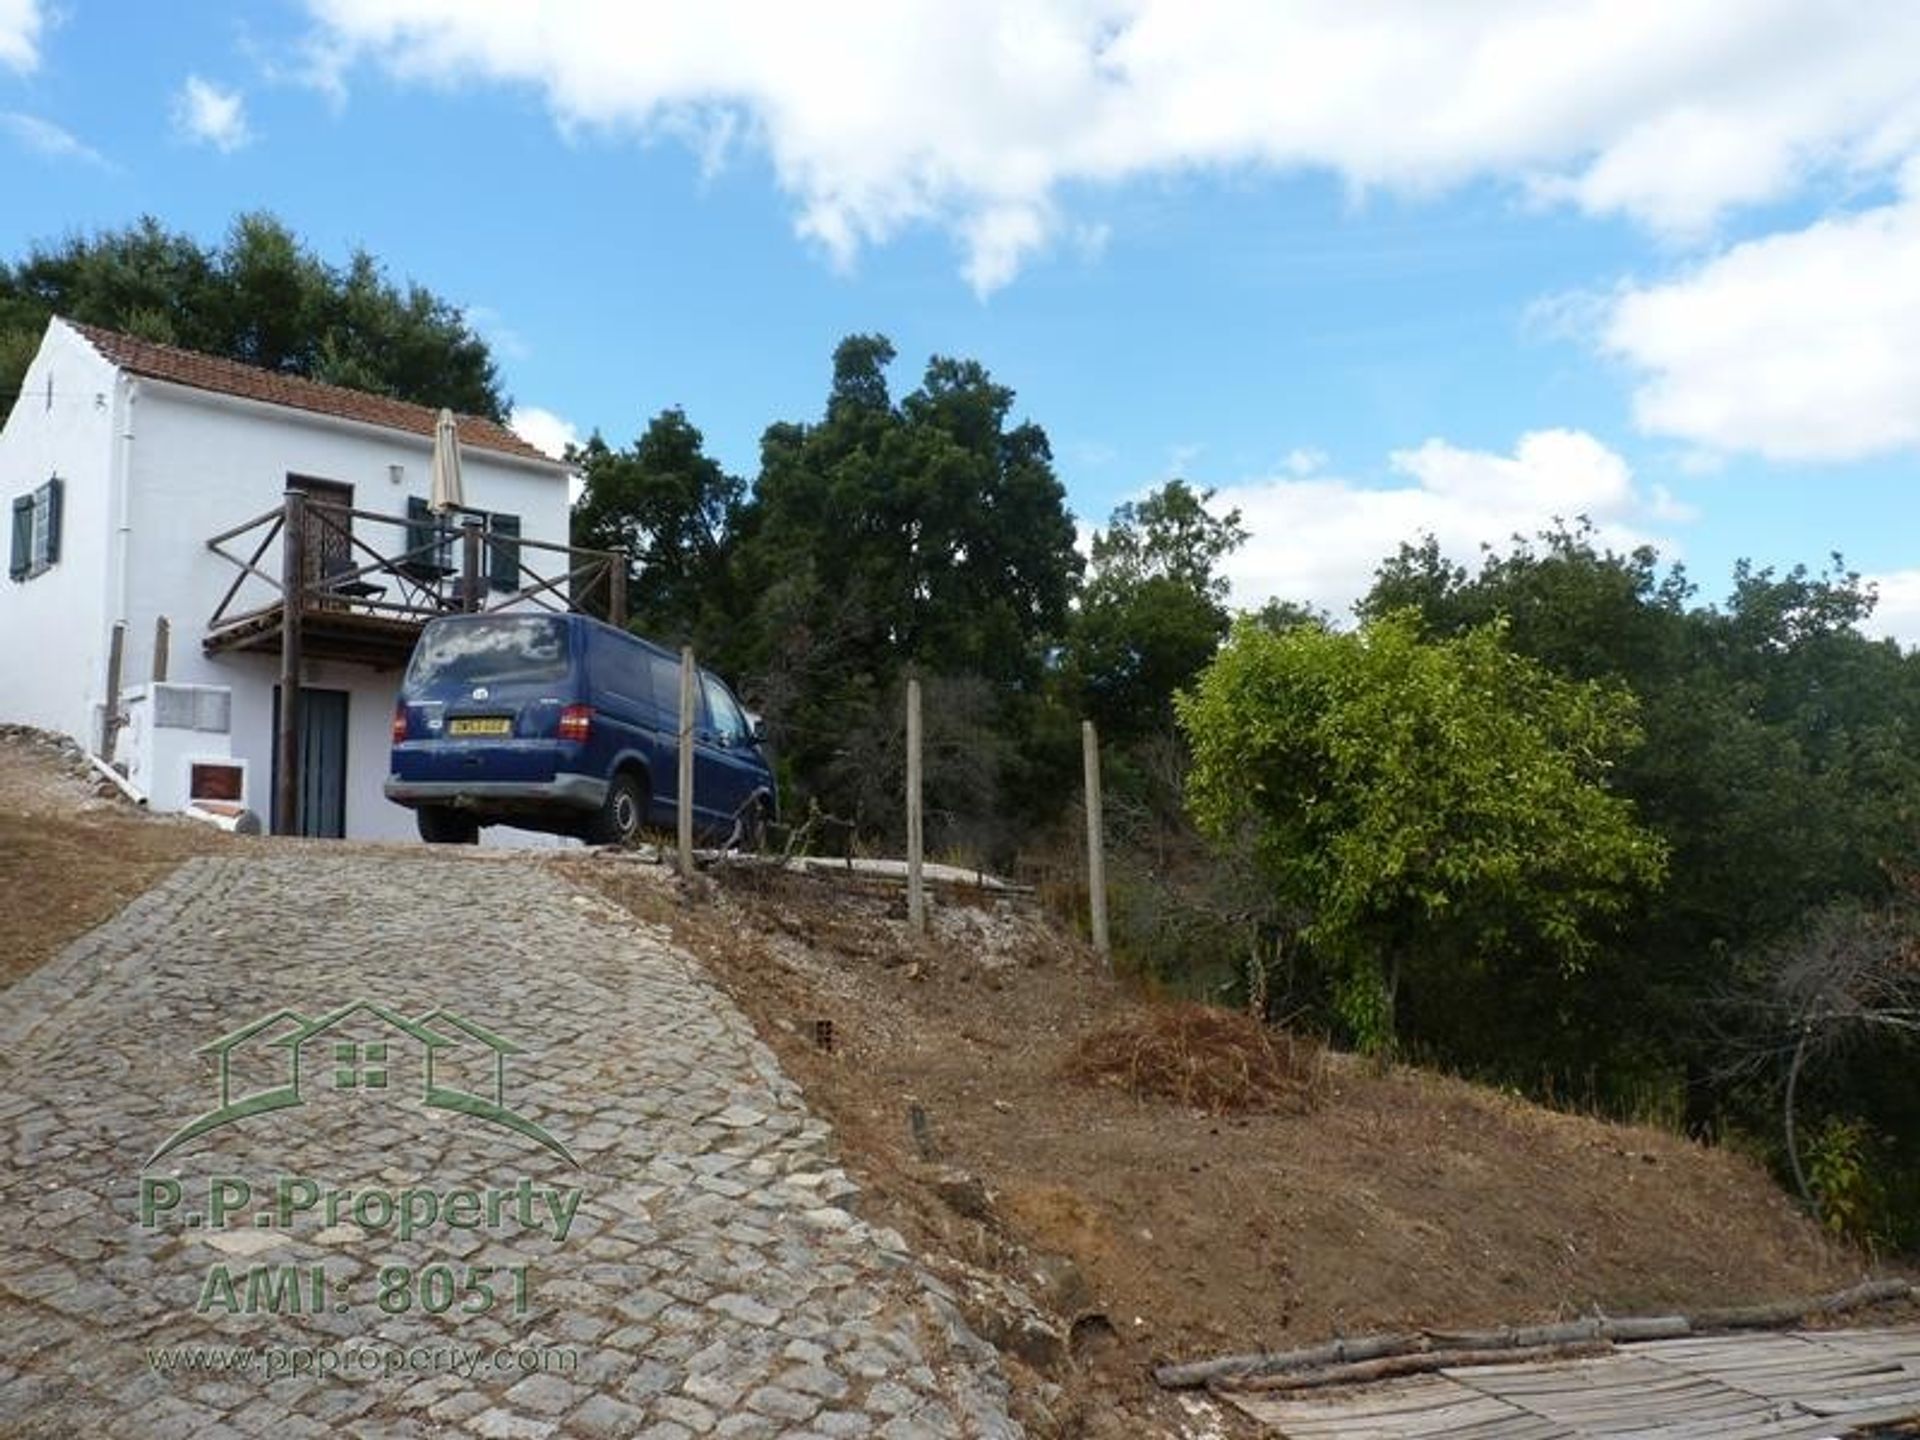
x=576 y=723
x=399 y=724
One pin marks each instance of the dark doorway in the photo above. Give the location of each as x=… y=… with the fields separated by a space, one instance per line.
x=329 y=538
x=323 y=764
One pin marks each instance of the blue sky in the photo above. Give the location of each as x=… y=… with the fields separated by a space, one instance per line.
x=1366 y=270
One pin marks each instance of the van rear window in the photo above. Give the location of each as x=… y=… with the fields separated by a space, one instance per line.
x=495 y=650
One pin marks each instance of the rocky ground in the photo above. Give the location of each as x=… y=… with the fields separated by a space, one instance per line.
x=1087 y=1231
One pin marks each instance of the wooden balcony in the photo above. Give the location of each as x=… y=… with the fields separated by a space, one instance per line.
x=358 y=586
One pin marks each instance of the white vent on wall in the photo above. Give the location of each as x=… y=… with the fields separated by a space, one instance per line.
x=207 y=708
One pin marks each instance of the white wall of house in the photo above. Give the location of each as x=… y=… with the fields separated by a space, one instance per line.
x=192 y=464
x=53 y=627
x=370 y=699
x=203 y=463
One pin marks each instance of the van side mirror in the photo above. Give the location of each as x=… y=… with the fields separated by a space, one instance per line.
x=756 y=727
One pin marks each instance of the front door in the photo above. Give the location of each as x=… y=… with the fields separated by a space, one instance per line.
x=323 y=763
x=329 y=537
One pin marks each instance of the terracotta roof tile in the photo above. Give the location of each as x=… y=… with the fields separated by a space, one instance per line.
x=230 y=377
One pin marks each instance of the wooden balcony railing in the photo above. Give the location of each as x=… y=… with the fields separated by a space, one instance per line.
x=337 y=595
x=360 y=584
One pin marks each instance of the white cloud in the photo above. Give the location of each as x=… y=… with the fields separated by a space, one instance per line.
x=501 y=337
x=1302 y=461
x=1897 y=616
x=205 y=114
x=1318 y=538
x=880 y=115
x=1799 y=346
x=550 y=434
x=1181 y=457
x=21 y=22
x=43 y=137
x=547 y=432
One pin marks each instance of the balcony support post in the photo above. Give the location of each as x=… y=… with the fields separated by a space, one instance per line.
x=286 y=770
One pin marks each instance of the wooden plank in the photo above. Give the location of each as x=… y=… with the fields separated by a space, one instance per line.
x=1730 y=1350
x=1792 y=1386
x=1489 y=1417
x=1902 y=1344
x=1729 y=1416
x=1393 y=1397
x=1613 y=1405
x=1602 y=1371
x=1421 y=1406
x=1760 y=1423
x=1520 y=1426
x=1907 y=1398
x=1888 y=1414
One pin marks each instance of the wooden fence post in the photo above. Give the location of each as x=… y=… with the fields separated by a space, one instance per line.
x=617 y=589
x=688 y=676
x=293 y=585
x=916 y=884
x=116 y=660
x=471 y=584
x=1096 y=844
x=162 y=648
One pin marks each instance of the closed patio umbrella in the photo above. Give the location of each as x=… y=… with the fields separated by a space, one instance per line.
x=448 y=493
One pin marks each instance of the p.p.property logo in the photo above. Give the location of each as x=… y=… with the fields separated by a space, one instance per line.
x=369 y=1049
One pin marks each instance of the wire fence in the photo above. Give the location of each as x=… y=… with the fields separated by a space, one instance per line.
x=882 y=763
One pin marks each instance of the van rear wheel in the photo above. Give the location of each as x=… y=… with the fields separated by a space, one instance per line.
x=443 y=825
x=624 y=813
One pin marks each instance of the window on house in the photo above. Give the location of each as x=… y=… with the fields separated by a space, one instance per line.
x=36 y=530
x=429 y=542
x=503 y=552
x=432 y=543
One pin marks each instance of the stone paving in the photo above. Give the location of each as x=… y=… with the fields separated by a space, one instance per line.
x=707 y=1278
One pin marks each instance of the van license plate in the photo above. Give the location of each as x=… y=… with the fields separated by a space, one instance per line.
x=490 y=725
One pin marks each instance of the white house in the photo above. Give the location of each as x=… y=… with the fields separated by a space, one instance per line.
x=123 y=460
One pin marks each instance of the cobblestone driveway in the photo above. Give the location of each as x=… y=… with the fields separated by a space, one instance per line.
x=709 y=1283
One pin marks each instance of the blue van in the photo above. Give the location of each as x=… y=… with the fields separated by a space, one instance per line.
x=563 y=724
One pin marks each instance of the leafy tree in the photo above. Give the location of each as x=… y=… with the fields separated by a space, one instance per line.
x=1153 y=609
x=1282 y=615
x=1779 y=767
x=930 y=532
x=260 y=296
x=669 y=505
x=1436 y=808
x=1169 y=535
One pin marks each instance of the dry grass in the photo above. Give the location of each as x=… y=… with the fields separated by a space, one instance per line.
x=72 y=852
x=1220 y=1061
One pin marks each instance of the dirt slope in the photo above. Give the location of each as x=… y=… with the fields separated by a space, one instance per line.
x=1403 y=1199
x=72 y=850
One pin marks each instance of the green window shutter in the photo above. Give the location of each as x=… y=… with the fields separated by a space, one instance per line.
x=22 y=560
x=423 y=558
x=419 y=529
x=56 y=492
x=503 y=552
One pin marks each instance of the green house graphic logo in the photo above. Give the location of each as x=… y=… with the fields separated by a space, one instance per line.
x=317 y=1052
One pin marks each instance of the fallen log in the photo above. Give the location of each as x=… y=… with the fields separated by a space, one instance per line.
x=1365 y=1372
x=1570 y=1332
x=1201 y=1372
x=1767 y=1317
x=1508 y=1340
